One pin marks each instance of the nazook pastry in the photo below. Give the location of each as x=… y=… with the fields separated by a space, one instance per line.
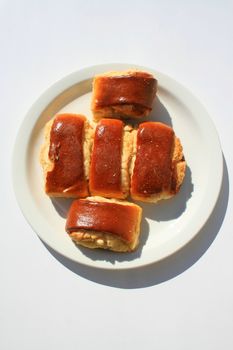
x=158 y=164
x=97 y=222
x=112 y=147
x=123 y=94
x=65 y=156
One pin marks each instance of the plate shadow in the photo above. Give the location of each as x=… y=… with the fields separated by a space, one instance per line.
x=166 y=269
x=62 y=205
x=159 y=113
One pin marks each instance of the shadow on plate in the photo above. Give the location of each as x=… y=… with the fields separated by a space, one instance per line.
x=62 y=205
x=159 y=113
x=166 y=269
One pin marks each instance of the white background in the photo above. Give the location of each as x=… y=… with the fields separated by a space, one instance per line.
x=47 y=302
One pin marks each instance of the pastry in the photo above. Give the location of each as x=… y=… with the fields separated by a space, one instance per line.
x=96 y=222
x=112 y=146
x=123 y=94
x=158 y=165
x=65 y=156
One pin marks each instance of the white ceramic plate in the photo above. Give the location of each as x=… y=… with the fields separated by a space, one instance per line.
x=166 y=226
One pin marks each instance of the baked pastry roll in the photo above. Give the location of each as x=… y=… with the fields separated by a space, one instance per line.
x=65 y=156
x=96 y=222
x=158 y=166
x=109 y=175
x=124 y=94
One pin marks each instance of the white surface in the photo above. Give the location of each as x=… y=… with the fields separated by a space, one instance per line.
x=183 y=303
x=167 y=226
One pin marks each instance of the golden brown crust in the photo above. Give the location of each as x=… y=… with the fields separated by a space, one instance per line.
x=178 y=166
x=123 y=94
x=105 y=240
x=104 y=168
x=48 y=165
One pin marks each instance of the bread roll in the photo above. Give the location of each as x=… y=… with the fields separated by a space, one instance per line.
x=158 y=165
x=65 y=156
x=96 y=222
x=124 y=94
x=109 y=176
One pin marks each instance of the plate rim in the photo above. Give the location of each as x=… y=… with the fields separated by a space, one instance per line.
x=43 y=100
